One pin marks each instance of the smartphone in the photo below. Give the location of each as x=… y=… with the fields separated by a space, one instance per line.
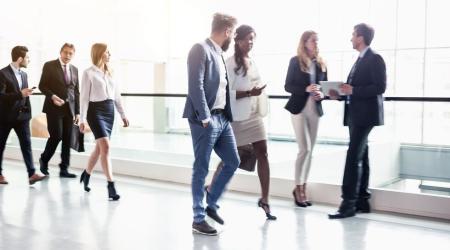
x=33 y=87
x=262 y=87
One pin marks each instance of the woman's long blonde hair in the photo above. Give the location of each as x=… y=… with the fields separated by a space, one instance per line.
x=97 y=51
x=302 y=54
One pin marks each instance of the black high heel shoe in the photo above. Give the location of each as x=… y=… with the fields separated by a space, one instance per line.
x=299 y=203
x=112 y=194
x=85 y=179
x=266 y=208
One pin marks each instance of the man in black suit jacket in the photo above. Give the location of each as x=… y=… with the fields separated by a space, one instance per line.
x=15 y=110
x=363 y=110
x=59 y=84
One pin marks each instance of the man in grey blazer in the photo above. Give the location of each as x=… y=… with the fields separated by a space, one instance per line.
x=209 y=114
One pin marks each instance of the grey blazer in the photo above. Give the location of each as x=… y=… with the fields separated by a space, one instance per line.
x=204 y=79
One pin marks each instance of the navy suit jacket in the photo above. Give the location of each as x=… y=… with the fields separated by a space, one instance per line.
x=204 y=78
x=13 y=106
x=296 y=83
x=369 y=83
x=52 y=83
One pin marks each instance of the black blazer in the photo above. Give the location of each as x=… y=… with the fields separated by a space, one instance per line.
x=13 y=107
x=369 y=83
x=296 y=83
x=52 y=83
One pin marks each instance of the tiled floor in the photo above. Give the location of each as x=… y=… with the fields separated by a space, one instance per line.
x=58 y=214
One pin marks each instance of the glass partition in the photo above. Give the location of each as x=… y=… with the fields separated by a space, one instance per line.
x=413 y=145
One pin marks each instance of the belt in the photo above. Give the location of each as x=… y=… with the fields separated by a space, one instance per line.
x=217 y=111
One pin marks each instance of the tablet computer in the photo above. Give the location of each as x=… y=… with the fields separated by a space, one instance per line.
x=330 y=85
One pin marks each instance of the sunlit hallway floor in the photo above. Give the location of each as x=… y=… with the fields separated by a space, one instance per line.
x=58 y=214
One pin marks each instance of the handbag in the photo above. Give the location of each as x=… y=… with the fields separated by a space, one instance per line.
x=248 y=157
x=77 y=139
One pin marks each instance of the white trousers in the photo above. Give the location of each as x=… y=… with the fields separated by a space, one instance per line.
x=305 y=126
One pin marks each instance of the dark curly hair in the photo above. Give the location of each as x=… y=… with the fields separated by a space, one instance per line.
x=241 y=32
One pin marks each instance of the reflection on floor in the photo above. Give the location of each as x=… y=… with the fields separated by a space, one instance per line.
x=177 y=149
x=413 y=186
x=57 y=214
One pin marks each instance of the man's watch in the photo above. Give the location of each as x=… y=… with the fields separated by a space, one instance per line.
x=248 y=93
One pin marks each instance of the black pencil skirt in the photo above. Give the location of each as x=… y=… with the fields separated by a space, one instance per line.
x=100 y=116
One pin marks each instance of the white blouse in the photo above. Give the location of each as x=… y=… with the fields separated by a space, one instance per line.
x=244 y=107
x=97 y=86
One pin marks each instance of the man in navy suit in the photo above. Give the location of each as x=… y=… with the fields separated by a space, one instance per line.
x=15 y=110
x=364 y=90
x=209 y=114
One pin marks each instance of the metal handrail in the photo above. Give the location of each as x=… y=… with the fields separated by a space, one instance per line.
x=386 y=98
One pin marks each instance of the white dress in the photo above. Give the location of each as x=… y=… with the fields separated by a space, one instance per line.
x=252 y=129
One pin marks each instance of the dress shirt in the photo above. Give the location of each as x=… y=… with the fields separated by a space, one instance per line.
x=97 y=86
x=363 y=52
x=69 y=75
x=352 y=71
x=18 y=74
x=312 y=71
x=221 y=92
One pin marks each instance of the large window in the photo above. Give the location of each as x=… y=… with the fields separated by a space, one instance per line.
x=410 y=35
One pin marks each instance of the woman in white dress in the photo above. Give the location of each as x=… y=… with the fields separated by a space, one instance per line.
x=249 y=106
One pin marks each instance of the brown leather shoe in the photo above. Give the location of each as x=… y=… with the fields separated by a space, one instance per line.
x=35 y=178
x=3 y=180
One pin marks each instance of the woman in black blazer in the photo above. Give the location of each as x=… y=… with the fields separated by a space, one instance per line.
x=302 y=81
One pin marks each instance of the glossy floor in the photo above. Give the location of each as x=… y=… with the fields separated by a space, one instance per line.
x=57 y=214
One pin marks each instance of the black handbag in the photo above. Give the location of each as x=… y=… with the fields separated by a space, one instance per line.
x=77 y=139
x=248 y=157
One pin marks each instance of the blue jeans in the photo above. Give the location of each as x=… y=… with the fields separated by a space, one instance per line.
x=218 y=136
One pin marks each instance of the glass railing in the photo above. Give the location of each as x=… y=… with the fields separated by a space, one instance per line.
x=411 y=151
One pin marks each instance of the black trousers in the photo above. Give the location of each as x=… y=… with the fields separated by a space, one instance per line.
x=60 y=129
x=22 y=129
x=357 y=171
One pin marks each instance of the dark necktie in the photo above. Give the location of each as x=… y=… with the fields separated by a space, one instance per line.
x=23 y=102
x=351 y=75
x=66 y=75
x=353 y=70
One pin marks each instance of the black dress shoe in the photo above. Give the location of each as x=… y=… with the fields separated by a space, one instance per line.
x=363 y=206
x=43 y=167
x=213 y=214
x=66 y=174
x=341 y=214
x=203 y=228
x=346 y=209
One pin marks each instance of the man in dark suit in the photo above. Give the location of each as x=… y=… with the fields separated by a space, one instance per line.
x=209 y=114
x=363 y=110
x=59 y=84
x=15 y=110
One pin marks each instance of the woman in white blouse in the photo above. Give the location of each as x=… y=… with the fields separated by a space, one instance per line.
x=249 y=106
x=99 y=94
